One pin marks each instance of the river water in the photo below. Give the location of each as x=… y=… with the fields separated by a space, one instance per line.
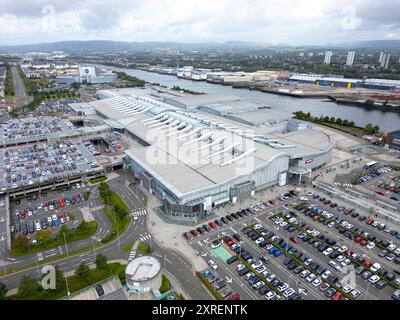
x=387 y=121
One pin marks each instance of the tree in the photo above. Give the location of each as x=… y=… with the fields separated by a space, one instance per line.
x=351 y=124
x=3 y=290
x=339 y=121
x=332 y=119
x=21 y=243
x=43 y=236
x=83 y=226
x=28 y=286
x=369 y=128
x=326 y=119
x=101 y=261
x=345 y=122
x=376 y=129
x=82 y=272
x=369 y=102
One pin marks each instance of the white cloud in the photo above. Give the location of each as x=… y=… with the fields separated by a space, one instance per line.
x=293 y=21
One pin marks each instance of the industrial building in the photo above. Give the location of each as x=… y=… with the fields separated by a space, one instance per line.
x=392 y=140
x=88 y=75
x=326 y=81
x=198 y=152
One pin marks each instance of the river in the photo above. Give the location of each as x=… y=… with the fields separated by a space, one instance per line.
x=387 y=121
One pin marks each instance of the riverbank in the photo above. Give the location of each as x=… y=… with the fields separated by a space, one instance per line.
x=363 y=103
x=387 y=121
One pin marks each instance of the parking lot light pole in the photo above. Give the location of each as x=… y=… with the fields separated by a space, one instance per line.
x=65 y=241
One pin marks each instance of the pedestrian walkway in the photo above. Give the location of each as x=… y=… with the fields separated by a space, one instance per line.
x=97 y=208
x=139 y=212
x=145 y=237
x=132 y=254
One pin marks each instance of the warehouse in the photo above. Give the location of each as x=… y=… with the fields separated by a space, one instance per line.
x=195 y=160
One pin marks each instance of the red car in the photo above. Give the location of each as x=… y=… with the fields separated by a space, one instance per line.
x=363 y=242
x=212 y=224
x=228 y=241
x=337 y=296
x=272 y=201
x=358 y=239
x=235 y=297
x=367 y=264
x=294 y=240
x=369 y=221
x=380 y=193
x=194 y=233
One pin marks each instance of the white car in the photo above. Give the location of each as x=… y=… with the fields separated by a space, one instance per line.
x=256 y=264
x=326 y=274
x=340 y=258
x=331 y=224
x=270 y=295
x=62 y=220
x=342 y=249
x=311 y=277
x=303 y=199
x=283 y=287
x=327 y=251
x=37 y=225
x=283 y=224
x=392 y=247
x=249 y=275
x=288 y=292
x=257 y=226
x=370 y=245
x=317 y=282
x=212 y=264
x=376 y=267
x=333 y=264
x=374 y=279
x=304 y=273
x=347 y=288
x=240 y=267
x=376 y=223
x=345 y=262
x=259 y=240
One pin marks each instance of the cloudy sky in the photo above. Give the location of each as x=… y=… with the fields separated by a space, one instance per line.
x=285 y=21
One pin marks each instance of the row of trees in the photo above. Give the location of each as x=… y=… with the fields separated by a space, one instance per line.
x=30 y=287
x=132 y=81
x=9 y=90
x=30 y=86
x=369 y=128
x=177 y=88
x=107 y=197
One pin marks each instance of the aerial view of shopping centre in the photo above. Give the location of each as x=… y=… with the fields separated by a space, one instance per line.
x=166 y=171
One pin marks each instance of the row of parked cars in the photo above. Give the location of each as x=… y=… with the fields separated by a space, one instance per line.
x=372 y=175
x=341 y=256
x=218 y=283
x=44 y=223
x=359 y=235
x=237 y=215
x=22 y=214
x=311 y=271
x=26 y=166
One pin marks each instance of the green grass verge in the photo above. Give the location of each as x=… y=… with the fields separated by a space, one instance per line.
x=143 y=248
x=127 y=247
x=73 y=236
x=76 y=284
x=209 y=286
x=97 y=180
x=165 y=284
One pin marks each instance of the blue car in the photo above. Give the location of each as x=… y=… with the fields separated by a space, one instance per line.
x=213 y=279
x=220 y=285
x=277 y=253
x=272 y=250
x=207 y=273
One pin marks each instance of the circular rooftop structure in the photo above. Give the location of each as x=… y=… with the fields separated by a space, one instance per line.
x=143 y=274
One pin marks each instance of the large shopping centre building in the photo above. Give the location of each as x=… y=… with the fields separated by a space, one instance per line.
x=198 y=152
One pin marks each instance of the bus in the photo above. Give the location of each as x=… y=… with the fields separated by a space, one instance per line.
x=370 y=165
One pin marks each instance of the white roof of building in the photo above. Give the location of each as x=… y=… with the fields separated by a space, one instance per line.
x=142 y=268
